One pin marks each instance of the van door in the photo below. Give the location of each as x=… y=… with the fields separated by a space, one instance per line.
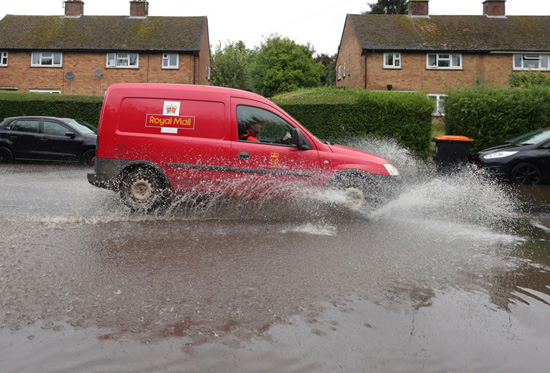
x=262 y=155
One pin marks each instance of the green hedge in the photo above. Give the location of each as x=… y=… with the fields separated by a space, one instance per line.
x=336 y=114
x=493 y=115
x=86 y=108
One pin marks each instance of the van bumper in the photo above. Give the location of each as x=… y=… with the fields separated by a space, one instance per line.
x=107 y=173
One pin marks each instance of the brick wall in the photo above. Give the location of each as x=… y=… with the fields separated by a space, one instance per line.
x=349 y=54
x=414 y=76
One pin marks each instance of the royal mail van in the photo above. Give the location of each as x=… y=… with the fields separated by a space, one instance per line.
x=157 y=140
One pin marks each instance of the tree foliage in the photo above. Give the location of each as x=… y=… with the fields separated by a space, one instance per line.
x=282 y=65
x=528 y=79
x=329 y=63
x=231 y=66
x=388 y=7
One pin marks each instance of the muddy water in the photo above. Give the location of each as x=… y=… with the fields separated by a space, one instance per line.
x=454 y=275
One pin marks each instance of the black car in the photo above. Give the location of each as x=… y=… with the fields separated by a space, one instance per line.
x=524 y=159
x=46 y=138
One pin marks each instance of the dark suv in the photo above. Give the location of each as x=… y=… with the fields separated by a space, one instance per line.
x=46 y=138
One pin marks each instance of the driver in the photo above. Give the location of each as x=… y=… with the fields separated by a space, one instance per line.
x=251 y=134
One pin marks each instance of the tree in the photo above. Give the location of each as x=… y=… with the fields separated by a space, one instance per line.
x=281 y=65
x=329 y=80
x=231 y=65
x=388 y=7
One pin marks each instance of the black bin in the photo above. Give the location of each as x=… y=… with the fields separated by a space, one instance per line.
x=451 y=152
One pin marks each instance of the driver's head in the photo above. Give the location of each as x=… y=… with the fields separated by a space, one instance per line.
x=256 y=127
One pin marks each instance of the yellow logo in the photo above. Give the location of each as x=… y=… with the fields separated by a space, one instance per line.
x=274 y=158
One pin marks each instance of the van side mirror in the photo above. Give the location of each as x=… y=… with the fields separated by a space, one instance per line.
x=299 y=139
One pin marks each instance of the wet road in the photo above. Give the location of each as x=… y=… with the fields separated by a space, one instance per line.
x=452 y=276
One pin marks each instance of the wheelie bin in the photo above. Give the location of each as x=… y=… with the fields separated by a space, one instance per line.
x=451 y=152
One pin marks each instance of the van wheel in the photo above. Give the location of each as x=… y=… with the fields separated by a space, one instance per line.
x=359 y=188
x=142 y=190
x=5 y=155
x=87 y=158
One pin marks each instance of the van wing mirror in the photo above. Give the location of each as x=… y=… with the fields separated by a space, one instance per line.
x=299 y=139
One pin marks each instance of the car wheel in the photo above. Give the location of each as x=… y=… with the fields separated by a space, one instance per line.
x=6 y=156
x=87 y=158
x=142 y=190
x=526 y=173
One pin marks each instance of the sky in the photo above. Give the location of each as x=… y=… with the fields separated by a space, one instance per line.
x=318 y=23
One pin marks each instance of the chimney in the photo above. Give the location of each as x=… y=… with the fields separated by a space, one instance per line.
x=494 y=8
x=418 y=8
x=74 y=8
x=139 y=8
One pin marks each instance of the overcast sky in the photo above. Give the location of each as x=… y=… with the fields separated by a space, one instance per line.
x=317 y=22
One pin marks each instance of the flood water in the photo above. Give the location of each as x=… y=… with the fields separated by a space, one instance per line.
x=454 y=275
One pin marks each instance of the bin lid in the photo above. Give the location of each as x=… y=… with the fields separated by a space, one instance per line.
x=452 y=138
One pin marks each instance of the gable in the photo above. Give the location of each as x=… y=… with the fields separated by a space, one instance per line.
x=100 y=33
x=453 y=33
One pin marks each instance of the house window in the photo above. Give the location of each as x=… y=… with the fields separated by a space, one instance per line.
x=439 y=101
x=170 y=61
x=344 y=74
x=339 y=72
x=392 y=60
x=444 y=61
x=531 y=62
x=123 y=60
x=3 y=58
x=208 y=72
x=46 y=59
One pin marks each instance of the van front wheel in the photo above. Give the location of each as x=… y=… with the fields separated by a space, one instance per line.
x=141 y=190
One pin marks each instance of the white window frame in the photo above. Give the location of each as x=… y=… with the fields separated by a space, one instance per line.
x=344 y=74
x=339 y=72
x=441 y=59
x=439 y=104
x=45 y=90
x=208 y=72
x=117 y=60
x=166 y=61
x=3 y=58
x=526 y=61
x=40 y=59
x=395 y=60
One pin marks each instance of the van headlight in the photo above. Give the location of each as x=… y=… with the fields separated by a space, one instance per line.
x=392 y=170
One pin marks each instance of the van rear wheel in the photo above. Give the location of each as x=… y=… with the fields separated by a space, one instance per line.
x=142 y=190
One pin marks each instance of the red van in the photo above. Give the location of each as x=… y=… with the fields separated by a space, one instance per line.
x=157 y=140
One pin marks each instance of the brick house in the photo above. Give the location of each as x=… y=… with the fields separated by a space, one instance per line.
x=432 y=54
x=82 y=54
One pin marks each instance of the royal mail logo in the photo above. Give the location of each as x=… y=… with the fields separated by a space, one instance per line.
x=171 y=109
x=155 y=120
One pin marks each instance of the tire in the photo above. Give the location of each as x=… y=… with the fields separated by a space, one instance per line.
x=526 y=173
x=360 y=190
x=6 y=156
x=87 y=158
x=142 y=190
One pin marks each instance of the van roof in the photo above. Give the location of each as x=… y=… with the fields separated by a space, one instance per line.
x=167 y=90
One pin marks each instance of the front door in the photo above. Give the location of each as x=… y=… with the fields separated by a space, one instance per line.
x=263 y=157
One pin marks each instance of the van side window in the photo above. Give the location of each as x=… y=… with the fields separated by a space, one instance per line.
x=259 y=125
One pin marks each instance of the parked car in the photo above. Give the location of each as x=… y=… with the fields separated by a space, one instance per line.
x=523 y=160
x=46 y=139
x=160 y=139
